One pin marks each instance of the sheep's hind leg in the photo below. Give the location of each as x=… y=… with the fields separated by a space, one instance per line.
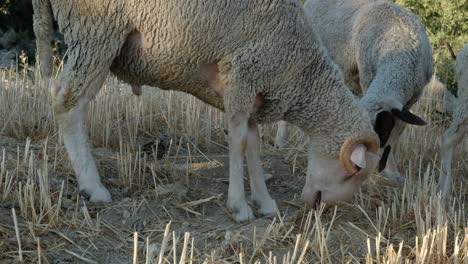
x=81 y=79
x=75 y=138
x=260 y=196
x=450 y=139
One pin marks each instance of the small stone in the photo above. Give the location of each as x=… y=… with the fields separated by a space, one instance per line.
x=228 y=235
x=268 y=176
x=126 y=214
x=8 y=39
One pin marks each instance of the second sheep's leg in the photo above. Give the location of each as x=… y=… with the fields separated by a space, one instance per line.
x=281 y=134
x=260 y=196
x=450 y=140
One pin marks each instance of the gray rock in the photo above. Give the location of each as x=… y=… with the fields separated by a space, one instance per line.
x=8 y=39
x=7 y=58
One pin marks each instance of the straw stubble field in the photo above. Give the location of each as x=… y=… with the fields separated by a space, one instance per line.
x=163 y=155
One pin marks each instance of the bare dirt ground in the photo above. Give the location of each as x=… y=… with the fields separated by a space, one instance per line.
x=164 y=158
x=192 y=199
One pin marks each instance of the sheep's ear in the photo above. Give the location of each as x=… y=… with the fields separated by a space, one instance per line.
x=408 y=117
x=358 y=156
x=384 y=124
x=384 y=158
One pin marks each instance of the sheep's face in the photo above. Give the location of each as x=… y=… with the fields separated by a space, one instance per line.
x=388 y=116
x=384 y=124
x=328 y=181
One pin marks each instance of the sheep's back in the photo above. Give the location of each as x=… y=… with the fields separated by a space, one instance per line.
x=163 y=43
x=369 y=38
x=332 y=21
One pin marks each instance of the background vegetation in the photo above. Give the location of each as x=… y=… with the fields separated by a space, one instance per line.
x=446 y=23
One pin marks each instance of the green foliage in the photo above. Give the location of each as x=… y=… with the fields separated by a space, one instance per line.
x=16 y=14
x=4 y=7
x=446 y=23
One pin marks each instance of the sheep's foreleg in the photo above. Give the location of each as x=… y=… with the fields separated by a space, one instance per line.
x=450 y=139
x=260 y=196
x=238 y=130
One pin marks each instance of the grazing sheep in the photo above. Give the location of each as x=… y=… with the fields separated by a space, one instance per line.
x=453 y=136
x=385 y=56
x=256 y=60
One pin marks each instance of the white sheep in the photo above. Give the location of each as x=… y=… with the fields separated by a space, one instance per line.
x=385 y=56
x=453 y=136
x=258 y=61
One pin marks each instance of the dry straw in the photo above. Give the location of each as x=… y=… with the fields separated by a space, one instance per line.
x=170 y=208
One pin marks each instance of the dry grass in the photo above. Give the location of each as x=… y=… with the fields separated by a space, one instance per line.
x=163 y=156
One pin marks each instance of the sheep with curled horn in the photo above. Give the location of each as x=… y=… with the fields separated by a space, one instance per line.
x=256 y=60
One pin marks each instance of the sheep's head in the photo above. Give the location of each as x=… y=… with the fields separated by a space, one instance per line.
x=332 y=180
x=385 y=112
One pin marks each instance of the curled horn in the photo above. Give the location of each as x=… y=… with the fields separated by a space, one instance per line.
x=369 y=139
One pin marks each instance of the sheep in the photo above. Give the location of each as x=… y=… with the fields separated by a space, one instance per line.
x=260 y=63
x=453 y=136
x=385 y=56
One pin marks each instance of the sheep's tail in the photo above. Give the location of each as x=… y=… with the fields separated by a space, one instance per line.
x=43 y=28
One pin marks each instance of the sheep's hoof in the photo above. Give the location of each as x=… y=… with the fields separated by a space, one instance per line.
x=266 y=207
x=100 y=195
x=242 y=213
x=280 y=143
